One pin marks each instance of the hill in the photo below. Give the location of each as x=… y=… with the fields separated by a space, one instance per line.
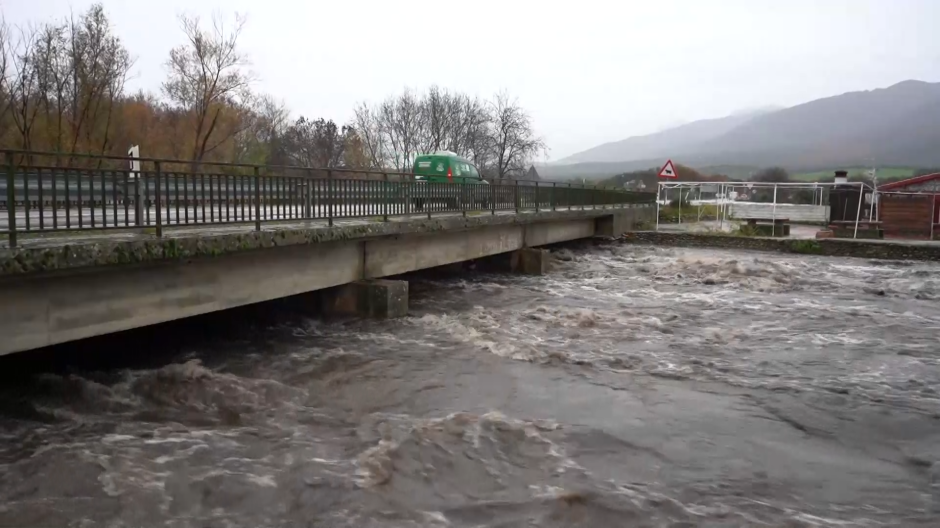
x=600 y=171
x=895 y=126
x=892 y=126
x=666 y=142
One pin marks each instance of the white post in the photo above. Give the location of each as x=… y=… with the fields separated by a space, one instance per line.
x=680 y=205
x=773 y=228
x=659 y=188
x=699 y=211
x=721 y=206
x=861 y=197
x=134 y=154
x=933 y=213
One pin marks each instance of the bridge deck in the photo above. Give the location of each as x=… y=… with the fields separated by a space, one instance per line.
x=55 y=251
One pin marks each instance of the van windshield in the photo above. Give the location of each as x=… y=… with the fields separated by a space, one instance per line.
x=468 y=170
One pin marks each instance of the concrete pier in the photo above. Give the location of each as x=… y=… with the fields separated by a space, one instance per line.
x=529 y=261
x=377 y=299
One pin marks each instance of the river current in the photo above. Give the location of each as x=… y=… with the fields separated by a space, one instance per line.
x=630 y=386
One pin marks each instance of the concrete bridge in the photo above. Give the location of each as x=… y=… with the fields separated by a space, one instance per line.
x=60 y=283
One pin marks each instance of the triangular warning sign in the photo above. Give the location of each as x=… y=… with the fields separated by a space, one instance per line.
x=668 y=171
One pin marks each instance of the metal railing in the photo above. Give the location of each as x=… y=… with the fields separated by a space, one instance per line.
x=47 y=192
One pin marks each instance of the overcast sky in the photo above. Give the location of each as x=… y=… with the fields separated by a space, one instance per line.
x=588 y=72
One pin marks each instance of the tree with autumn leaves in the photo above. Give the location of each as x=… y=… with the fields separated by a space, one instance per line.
x=62 y=90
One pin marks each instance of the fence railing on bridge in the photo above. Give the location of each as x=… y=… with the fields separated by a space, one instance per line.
x=44 y=192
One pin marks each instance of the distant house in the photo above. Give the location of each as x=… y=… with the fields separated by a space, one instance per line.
x=634 y=184
x=910 y=208
x=532 y=174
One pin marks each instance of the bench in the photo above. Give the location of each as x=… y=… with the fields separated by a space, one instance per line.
x=774 y=227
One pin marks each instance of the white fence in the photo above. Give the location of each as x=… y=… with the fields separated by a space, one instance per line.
x=797 y=213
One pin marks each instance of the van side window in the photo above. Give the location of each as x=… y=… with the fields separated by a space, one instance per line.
x=472 y=171
x=457 y=171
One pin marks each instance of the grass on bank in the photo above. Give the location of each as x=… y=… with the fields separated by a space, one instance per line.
x=690 y=213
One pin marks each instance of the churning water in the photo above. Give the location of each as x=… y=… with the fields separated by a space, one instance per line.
x=631 y=386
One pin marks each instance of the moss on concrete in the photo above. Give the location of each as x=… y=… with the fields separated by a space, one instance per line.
x=204 y=244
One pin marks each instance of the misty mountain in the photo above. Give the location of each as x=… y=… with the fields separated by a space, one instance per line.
x=667 y=142
x=898 y=125
x=886 y=126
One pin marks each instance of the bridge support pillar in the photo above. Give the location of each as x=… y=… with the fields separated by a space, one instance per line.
x=618 y=223
x=529 y=261
x=378 y=298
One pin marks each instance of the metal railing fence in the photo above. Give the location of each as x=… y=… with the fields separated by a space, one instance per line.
x=44 y=192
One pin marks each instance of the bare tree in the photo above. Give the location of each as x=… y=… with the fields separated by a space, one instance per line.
x=99 y=67
x=207 y=75
x=514 y=142
x=472 y=133
x=401 y=120
x=316 y=143
x=772 y=174
x=6 y=93
x=24 y=90
x=371 y=135
x=53 y=61
x=261 y=139
x=438 y=109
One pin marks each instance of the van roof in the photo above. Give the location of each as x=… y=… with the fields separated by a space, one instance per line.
x=443 y=154
x=439 y=154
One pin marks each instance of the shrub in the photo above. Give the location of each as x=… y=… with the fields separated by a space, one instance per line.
x=810 y=247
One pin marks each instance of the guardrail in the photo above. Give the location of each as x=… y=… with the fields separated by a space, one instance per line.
x=41 y=193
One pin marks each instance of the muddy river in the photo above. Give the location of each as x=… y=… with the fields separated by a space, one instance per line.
x=631 y=386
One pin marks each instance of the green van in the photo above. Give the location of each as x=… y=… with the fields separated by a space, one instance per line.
x=447 y=167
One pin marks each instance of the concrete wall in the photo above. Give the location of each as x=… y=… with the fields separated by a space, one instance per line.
x=798 y=213
x=45 y=309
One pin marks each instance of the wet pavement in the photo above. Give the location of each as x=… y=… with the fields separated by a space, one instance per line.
x=631 y=386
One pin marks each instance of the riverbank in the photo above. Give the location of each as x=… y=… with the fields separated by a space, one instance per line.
x=871 y=249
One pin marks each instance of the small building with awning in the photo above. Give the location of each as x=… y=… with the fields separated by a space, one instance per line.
x=911 y=208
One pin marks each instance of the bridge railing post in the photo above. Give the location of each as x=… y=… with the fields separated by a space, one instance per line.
x=308 y=195
x=462 y=196
x=329 y=195
x=138 y=194
x=385 y=197
x=257 y=179
x=158 y=199
x=538 y=197
x=515 y=194
x=11 y=198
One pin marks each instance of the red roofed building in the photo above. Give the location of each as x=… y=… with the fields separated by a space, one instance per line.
x=911 y=208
